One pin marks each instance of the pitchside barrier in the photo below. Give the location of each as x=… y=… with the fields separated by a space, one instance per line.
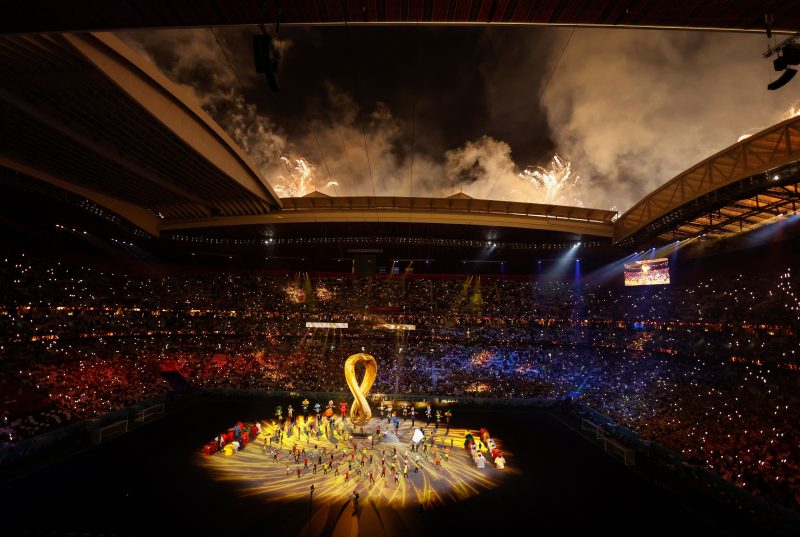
x=110 y=431
x=587 y=425
x=149 y=412
x=610 y=446
x=616 y=449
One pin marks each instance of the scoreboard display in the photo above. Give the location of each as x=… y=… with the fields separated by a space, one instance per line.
x=647 y=272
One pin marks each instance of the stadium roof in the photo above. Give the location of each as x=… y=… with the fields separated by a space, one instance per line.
x=90 y=115
x=38 y=16
x=742 y=186
x=451 y=210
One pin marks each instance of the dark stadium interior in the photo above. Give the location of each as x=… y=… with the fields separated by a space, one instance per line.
x=573 y=298
x=130 y=484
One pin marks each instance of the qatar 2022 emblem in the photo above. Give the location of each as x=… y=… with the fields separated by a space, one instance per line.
x=360 y=412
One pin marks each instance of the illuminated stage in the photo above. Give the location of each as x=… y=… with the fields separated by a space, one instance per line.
x=455 y=478
x=153 y=481
x=331 y=459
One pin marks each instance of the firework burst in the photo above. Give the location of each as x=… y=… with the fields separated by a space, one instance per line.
x=554 y=182
x=300 y=181
x=792 y=111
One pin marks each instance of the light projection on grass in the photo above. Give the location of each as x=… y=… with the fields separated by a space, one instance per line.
x=395 y=460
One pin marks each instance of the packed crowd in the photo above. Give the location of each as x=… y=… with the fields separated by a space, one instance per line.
x=709 y=370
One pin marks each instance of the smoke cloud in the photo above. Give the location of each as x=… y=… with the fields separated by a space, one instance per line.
x=200 y=61
x=633 y=108
x=625 y=109
x=343 y=150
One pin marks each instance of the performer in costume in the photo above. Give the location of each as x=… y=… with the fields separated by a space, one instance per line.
x=329 y=414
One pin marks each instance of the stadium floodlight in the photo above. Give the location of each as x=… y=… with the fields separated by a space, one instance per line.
x=267 y=57
x=782 y=80
x=788 y=53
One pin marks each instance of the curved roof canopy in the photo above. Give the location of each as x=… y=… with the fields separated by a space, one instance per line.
x=451 y=210
x=90 y=115
x=720 y=189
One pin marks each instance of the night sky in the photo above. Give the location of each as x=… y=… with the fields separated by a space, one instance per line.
x=434 y=110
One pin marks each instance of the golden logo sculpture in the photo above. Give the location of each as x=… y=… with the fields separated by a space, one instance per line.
x=360 y=412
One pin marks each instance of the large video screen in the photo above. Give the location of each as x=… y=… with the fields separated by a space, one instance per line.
x=647 y=272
